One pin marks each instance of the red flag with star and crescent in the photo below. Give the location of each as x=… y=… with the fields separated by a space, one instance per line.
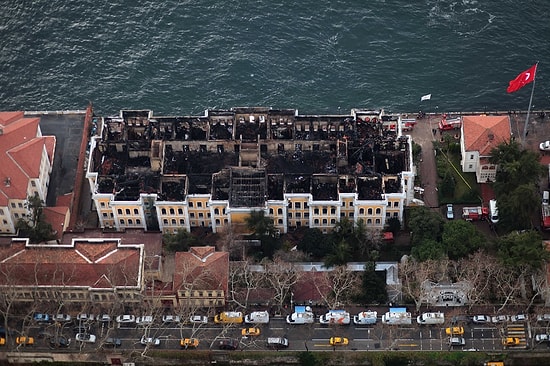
x=522 y=79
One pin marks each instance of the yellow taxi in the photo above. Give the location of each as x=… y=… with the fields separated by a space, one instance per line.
x=255 y=331
x=2 y=341
x=27 y=341
x=189 y=343
x=454 y=331
x=338 y=341
x=510 y=341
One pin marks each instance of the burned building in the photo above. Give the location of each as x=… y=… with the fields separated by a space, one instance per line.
x=164 y=173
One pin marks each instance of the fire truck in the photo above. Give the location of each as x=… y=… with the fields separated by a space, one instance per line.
x=447 y=124
x=475 y=213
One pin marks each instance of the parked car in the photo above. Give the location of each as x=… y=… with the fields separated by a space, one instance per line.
x=2 y=341
x=149 y=341
x=144 y=320
x=228 y=344
x=454 y=331
x=198 y=319
x=24 y=340
x=85 y=317
x=85 y=337
x=189 y=343
x=457 y=341
x=62 y=318
x=543 y=318
x=60 y=342
x=518 y=318
x=112 y=342
x=480 y=319
x=338 y=341
x=255 y=331
x=500 y=319
x=450 y=211
x=170 y=319
x=125 y=319
x=544 y=146
x=542 y=338
x=104 y=318
x=41 y=318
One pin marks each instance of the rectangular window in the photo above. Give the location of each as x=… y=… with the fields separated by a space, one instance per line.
x=102 y=204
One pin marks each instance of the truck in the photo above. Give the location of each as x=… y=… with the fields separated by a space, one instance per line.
x=397 y=316
x=475 y=213
x=431 y=318
x=228 y=317
x=365 y=318
x=339 y=317
x=447 y=124
x=407 y=124
x=257 y=317
x=301 y=315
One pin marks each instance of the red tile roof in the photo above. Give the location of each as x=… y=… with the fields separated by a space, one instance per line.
x=56 y=216
x=483 y=133
x=20 y=153
x=202 y=268
x=83 y=264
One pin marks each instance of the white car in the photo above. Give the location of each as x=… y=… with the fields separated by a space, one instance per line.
x=480 y=319
x=450 y=211
x=85 y=337
x=170 y=319
x=104 y=318
x=62 y=318
x=149 y=341
x=518 y=318
x=198 y=319
x=500 y=319
x=545 y=146
x=543 y=318
x=542 y=338
x=125 y=319
x=85 y=317
x=144 y=320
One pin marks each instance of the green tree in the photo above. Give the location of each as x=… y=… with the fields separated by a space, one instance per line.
x=429 y=249
x=393 y=225
x=373 y=289
x=425 y=224
x=314 y=242
x=180 y=241
x=522 y=249
x=447 y=186
x=264 y=230
x=518 y=173
x=34 y=227
x=340 y=254
x=461 y=238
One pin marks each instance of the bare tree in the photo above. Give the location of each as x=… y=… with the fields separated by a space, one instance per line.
x=341 y=282
x=281 y=276
x=242 y=282
x=413 y=274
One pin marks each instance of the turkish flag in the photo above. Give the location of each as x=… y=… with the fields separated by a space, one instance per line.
x=522 y=79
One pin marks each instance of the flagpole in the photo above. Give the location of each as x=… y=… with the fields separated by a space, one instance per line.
x=529 y=108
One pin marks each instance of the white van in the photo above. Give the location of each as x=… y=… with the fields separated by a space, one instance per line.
x=257 y=317
x=301 y=315
x=493 y=211
x=365 y=317
x=545 y=197
x=340 y=317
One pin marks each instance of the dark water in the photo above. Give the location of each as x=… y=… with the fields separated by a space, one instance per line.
x=322 y=56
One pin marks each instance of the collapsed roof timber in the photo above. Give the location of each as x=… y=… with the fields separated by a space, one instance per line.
x=249 y=155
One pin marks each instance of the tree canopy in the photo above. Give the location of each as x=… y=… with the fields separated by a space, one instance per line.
x=34 y=227
x=461 y=238
x=522 y=249
x=519 y=171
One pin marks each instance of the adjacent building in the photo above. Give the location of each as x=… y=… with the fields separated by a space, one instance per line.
x=166 y=173
x=26 y=163
x=479 y=135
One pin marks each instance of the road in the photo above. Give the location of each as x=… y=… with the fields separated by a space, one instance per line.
x=312 y=337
